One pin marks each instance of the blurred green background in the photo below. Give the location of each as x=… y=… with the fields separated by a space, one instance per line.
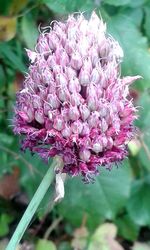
x=114 y=212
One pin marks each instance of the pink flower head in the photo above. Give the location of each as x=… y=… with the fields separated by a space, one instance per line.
x=74 y=103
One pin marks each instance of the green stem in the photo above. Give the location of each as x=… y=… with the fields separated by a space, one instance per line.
x=32 y=207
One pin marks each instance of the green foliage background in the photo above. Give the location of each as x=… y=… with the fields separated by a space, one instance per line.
x=122 y=195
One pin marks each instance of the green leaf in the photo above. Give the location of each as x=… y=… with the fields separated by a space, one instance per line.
x=127 y=228
x=147 y=20
x=29 y=31
x=134 y=15
x=69 y=6
x=4 y=6
x=116 y=2
x=6 y=139
x=98 y=201
x=138 y=204
x=137 y=3
x=16 y=6
x=14 y=60
x=57 y=6
x=2 y=76
x=144 y=153
x=45 y=245
x=143 y=124
x=135 y=46
x=5 y=219
x=144 y=112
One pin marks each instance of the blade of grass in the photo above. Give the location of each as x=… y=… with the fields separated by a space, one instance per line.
x=33 y=205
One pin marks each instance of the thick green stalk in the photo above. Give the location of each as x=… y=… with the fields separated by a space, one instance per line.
x=32 y=207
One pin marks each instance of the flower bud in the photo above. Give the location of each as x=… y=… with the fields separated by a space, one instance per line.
x=93 y=119
x=61 y=81
x=71 y=73
x=74 y=85
x=63 y=95
x=58 y=123
x=76 y=61
x=84 y=78
x=95 y=77
x=77 y=127
x=104 y=125
x=74 y=113
x=84 y=112
x=39 y=116
x=97 y=147
x=66 y=132
x=92 y=103
x=84 y=155
x=24 y=116
x=53 y=101
x=85 y=130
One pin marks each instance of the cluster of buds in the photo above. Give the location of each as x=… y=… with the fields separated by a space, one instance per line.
x=74 y=103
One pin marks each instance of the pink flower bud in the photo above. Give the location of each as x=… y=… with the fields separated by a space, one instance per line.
x=42 y=45
x=69 y=47
x=58 y=123
x=52 y=114
x=53 y=41
x=76 y=61
x=77 y=127
x=53 y=101
x=95 y=76
x=66 y=132
x=76 y=99
x=97 y=147
x=70 y=72
x=93 y=120
x=104 y=141
x=62 y=57
x=63 y=95
x=102 y=109
x=85 y=130
x=51 y=61
x=39 y=116
x=84 y=112
x=94 y=56
x=83 y=167
x=92 y=103
x=84 y=78
x=87 y=66
x=24 y=116
x=104 y=125
x=84 y=155
x=61 y=81
x=46 y=108
x=74 y=113
x=47 y=76
x=109 y=143
x=74 y=85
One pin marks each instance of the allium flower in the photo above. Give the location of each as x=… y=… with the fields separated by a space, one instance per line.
x=74 y=103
